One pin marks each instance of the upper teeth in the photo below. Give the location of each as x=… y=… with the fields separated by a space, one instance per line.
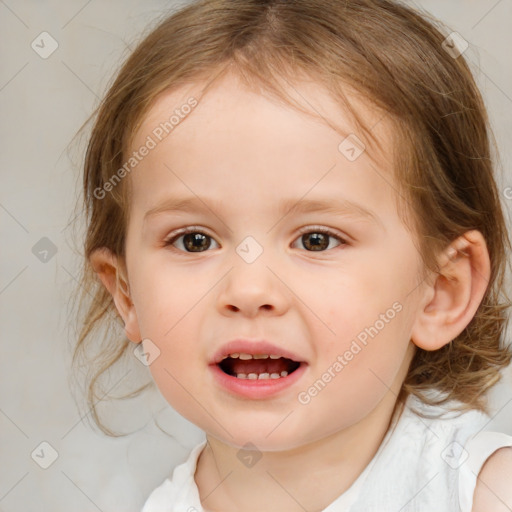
x=242 y=356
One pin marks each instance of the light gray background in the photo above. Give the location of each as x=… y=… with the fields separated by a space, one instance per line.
x=43 y=103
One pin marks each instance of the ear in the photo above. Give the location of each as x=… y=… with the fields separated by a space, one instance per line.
x=452 y=300
x=110 y=270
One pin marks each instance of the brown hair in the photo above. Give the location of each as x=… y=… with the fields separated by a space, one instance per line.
x=390 y=55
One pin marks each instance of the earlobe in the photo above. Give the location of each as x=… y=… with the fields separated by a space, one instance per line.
x=452 y=300
x=111 y=272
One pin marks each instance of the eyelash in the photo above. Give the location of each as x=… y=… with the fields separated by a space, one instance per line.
x=169 y=241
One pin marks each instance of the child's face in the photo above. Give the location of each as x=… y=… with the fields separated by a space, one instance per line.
x=242 y=158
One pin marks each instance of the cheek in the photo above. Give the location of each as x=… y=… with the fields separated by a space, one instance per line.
x=350 y=301
x=369 y=313
x=371 y=344
x=169 y=309
x=164 y=297
x=355 y=374
x=178 y=371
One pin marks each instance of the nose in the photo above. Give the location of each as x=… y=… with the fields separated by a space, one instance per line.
x=250 y=288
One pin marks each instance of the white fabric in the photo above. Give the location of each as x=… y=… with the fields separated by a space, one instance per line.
x=423 y=464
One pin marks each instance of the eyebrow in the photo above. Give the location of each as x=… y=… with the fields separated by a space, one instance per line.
x=336 y=206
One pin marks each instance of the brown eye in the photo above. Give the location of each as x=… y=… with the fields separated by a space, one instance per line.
x=196 y=242
x=319 y=239
x=315 y=241
x=190 y=241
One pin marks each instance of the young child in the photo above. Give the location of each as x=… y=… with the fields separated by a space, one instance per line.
x=291 y=206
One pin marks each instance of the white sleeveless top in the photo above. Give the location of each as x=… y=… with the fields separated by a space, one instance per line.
x=421 y=465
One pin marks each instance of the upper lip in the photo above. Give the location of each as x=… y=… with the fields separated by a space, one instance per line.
x=253 y=347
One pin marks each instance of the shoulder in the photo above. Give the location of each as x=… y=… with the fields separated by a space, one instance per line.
x=493 y=490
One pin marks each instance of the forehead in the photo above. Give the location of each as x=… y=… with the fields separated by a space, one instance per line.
x=233 y=135
x=229 y=95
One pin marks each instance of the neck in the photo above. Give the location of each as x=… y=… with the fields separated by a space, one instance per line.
x=309 y=477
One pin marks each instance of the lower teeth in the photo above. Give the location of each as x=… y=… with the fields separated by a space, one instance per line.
x=261 y=376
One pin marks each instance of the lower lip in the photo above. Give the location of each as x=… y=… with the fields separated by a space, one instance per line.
x=256 y=388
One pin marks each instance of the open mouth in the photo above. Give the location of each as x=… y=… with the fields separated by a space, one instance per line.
x=257 y=366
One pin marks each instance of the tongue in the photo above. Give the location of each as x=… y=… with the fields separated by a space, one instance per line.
x=260 y=365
